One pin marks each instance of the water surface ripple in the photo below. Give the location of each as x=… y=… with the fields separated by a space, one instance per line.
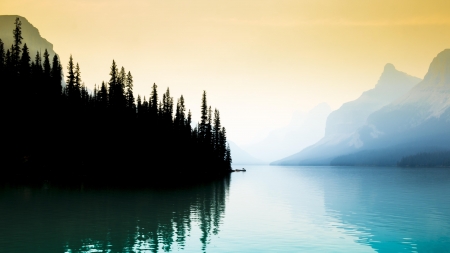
x=266 y=209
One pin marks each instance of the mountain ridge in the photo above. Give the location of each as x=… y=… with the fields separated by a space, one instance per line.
x=31 y=35
x=341 y=134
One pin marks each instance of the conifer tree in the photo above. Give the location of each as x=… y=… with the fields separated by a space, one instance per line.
x=216 y=130
x=145 y=107
x=129 y=94
x=56 y=76
x=154 y=102
x=25 y=62
x=167 y=108
x=115 y=91
x=37 y=71
x=70 y=89
x=37 y=74
x=228 y=159
x=208 y=133
x=188 y=128
x=223 y=144
x=180 y=116
x=2 y=59
x=8 y=61
x=103 y=96
x=203 y=118
x=16 y=50
x=77 y=84
x=139 y=106
x=46 y=65
x=26 y=86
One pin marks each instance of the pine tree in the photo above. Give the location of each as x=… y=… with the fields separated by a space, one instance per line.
x=114 y=87
x=129 y=94
x=25 y=69
x=70 y=89
x=37 y=75
x=208 y=133
x=216 y=130
x=16 y=50
x=167 y=108
x=121 y=88
x=223 y=144
x=139 y=106
x=203 y=119
x=77 y=85
x=2 y=60
x=180 y=117
x=103 y=96
x=154 y=103
x=228 y=159
x=26 y=86
x=46 y=65
x=56 y=77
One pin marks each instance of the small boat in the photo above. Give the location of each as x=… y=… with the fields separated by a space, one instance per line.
x=237 y=170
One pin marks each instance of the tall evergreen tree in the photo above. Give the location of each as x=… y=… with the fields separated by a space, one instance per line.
x=208 y=133
x=139 y=106
x=26 y=86
x=2 y=60
x=78 y=83
x=25 y=61
x=46 y=65
x=8 y=63
x=154 y=103
x=70 y=89
x=56 y=77
x=216 y=130
x=129 y=93
x=103 y=96
x=167 y=108
x=37 y=75
x=180 y=117
x=203 y=118
x=228 y=159
x=188 y=122
x=16 y=49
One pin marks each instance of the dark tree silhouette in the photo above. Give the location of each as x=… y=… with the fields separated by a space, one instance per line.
x=70 y=133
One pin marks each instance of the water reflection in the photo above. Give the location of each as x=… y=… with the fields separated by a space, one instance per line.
x=158 y=220
x=391 y=209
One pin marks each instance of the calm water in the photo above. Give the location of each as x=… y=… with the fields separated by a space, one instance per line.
x=266 y=209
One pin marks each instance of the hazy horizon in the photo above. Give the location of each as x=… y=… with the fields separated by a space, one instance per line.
x=258 y=61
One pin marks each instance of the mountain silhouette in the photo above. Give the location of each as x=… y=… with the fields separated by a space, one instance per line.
x=30 y=34
x=341 y=134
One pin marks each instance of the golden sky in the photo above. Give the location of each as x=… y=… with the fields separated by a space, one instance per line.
x=258 y=60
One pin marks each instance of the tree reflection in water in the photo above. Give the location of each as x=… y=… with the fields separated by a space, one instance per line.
x=155 y=220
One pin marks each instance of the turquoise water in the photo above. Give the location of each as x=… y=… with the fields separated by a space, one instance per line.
x=266 y=209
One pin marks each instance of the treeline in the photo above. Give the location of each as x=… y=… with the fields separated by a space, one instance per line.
x=435 y=159
x=69 y=132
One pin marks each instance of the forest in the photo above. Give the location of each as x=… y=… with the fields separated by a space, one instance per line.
x=426 y=159
x=66 y=132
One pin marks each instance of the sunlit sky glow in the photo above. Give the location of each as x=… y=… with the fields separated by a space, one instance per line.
x=258 y=60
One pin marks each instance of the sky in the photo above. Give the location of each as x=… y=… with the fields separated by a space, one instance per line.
x=258 y=60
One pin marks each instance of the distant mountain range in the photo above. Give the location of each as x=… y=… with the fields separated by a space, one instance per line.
x=30 y=35
x=303 y=130
x=242 y=157
x=401 y=116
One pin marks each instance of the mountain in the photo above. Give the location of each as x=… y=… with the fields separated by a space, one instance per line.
x=342 y=126
x=30 y=35
x=304 y=130
x=417 y=122
x=240 y=156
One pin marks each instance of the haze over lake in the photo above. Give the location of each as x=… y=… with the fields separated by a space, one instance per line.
x=266 y=209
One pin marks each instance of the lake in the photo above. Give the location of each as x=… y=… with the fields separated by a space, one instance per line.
x=266 y=209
